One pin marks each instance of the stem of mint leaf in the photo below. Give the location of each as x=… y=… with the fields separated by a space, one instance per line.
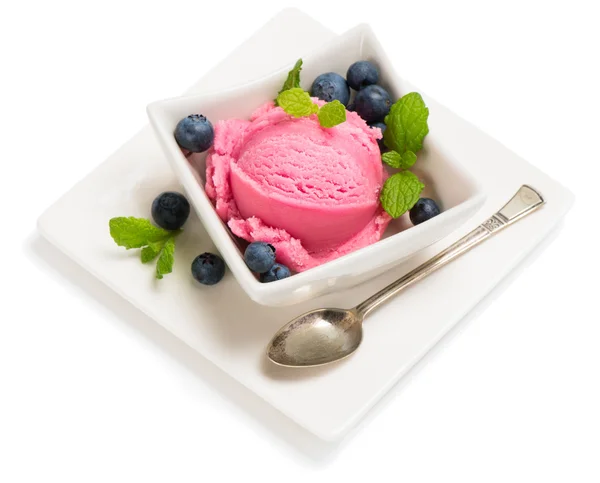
x=151 y=251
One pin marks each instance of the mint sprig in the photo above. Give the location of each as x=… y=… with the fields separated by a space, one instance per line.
x=400 y=192
x=298 y=103
x=406 y=127
x=131 y=232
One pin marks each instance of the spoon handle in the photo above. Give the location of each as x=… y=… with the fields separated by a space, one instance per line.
x=525 y=201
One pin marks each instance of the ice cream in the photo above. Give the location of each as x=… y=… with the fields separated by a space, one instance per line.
x=311 y=192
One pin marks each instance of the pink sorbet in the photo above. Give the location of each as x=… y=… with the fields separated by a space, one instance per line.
x=311 y=192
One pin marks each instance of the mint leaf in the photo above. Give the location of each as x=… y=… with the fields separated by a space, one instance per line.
x=134 y=232
x=131 y=232
x=406 y=124
x=151 y=251
x=165 y=262
x=400 y=161
x=297 y=102
x=392 y=158
x=400 y=192
x=408 y=160
x=293 y=79
x=332 y=114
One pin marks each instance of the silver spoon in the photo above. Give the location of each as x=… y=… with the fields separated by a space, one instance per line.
x=326 y=335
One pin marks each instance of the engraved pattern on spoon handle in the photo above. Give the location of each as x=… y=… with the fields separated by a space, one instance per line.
x=525 y=201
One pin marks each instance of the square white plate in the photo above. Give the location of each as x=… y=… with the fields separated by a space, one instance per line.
x=226 y=327
x=444 y=175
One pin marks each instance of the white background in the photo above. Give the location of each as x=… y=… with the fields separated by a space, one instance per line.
x=85 y=396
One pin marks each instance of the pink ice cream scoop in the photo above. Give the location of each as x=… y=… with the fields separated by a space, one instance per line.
x=310 y=191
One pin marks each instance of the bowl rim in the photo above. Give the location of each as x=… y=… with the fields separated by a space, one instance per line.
x=218 y=230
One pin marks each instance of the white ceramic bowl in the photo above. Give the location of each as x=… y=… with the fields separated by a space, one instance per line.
x=445 y=180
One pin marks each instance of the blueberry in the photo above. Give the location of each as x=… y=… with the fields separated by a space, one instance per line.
x=424 y=210
x=362 y=74
x=331 y=86
x=170 y=210
x=382 y=126
x=260 y=257
x=194 y=133
x=350 y=107
x=208 y=268
x=277 y=272
x=373 y=103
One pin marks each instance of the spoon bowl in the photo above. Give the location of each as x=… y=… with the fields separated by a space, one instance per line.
x=316 y=338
